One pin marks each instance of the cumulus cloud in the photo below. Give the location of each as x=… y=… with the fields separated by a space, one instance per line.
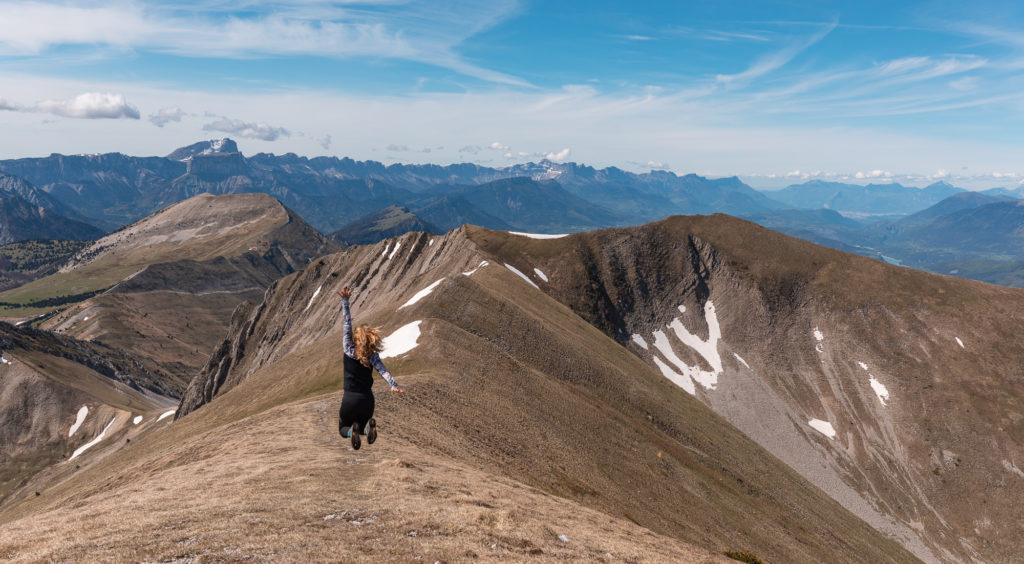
x=90 y=105
x=556 y=157
x=163 y=116
x=244 y=129
x=873 y=174
x=496 y=146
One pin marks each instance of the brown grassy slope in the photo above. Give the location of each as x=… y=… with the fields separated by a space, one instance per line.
x=938 y=458
x=279 y=485
x=535 y=393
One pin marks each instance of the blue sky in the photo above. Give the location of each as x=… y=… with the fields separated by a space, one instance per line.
x=776 y=92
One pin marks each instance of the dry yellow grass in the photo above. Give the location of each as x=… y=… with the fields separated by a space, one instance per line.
x=282 y=486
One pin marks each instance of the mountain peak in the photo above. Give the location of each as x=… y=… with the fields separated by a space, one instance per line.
x=213 y=146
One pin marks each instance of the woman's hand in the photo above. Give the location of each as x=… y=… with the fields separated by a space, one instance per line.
x=345 y=293
x=397 y=390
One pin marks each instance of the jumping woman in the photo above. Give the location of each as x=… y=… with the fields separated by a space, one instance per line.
x=361 y=357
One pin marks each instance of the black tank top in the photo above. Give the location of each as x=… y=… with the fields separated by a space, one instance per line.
x=358 y=378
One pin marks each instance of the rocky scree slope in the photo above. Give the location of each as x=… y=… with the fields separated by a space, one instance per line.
x=506 y=379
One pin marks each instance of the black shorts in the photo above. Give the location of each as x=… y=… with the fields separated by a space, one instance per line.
x=356 y=407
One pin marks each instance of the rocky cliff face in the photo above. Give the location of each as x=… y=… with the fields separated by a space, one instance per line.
x=890 y=389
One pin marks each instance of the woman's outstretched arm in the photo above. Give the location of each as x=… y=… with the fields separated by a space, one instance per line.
x=383 y=371
x=347 y=344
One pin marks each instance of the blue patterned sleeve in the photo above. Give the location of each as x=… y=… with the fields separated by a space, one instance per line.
x=375 y=360
x=350 y=349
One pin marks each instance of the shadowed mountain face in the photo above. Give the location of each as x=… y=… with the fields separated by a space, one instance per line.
x=22 y=221
x=386 y=223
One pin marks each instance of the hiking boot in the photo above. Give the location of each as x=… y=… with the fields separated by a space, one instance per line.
x=354 y=433
x=371 y=435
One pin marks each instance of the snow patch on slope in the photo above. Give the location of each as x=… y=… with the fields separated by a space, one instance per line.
x=1013 y=468
x=537 y=235
x=421 y=294
x=166 y=414
x=315 y=294
x=137 y=420
x=823 y=427
x=402 y=340
x=707 y=349
x=79 y=419
x=880 y=390
x=398 y=245
x=541 y=274
x=640 y=341
x=739 y=358
x=684 y=382
x=482 y=264
x=521 y=275
x=961 y=343
x=93 y=442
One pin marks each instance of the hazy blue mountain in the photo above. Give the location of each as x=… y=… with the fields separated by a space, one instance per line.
x=391 y=221
x=528 y=204
x=1017 y=192
x=21 y=220
x=873 y=199
x=450 y=211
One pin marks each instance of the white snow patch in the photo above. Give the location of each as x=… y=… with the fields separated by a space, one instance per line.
x=862 y=365
x=640 y=341
x=682 y=309
x=315 y=294
x=707 y=349
x=79 y=419
x=386 y=247
x=521 y=275
x=541 y=274
x=482 y=264
x=86 y=318
x=166 y=414
x=1013 y=468
x=398 y=245
x=4 y=360
x=537 y=235
x=137 y=420
x=421 y=294
x=880 y=390
x=402 y=340
x=818 y=335
x=684 y=382
x=93 y=442
x=430 y=243
x=823 y=427
x=739 y=358
x=961 y=343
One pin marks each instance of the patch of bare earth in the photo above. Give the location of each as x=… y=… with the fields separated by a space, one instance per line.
x=282 y=486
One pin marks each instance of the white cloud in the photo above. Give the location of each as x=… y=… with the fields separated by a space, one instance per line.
x=240 y=128
x=90 y=105
x=883 y=174
x=396 y=148
x=324 y=141
x=556 y=157
x=774 y=61
x=496 y=146
x=164 y=116
x=474 y=149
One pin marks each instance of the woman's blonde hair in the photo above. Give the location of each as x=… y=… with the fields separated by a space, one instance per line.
x=368 y=341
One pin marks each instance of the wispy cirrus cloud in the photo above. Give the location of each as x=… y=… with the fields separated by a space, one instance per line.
x=414 y=31
x=89 y=105
x=775 y=60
